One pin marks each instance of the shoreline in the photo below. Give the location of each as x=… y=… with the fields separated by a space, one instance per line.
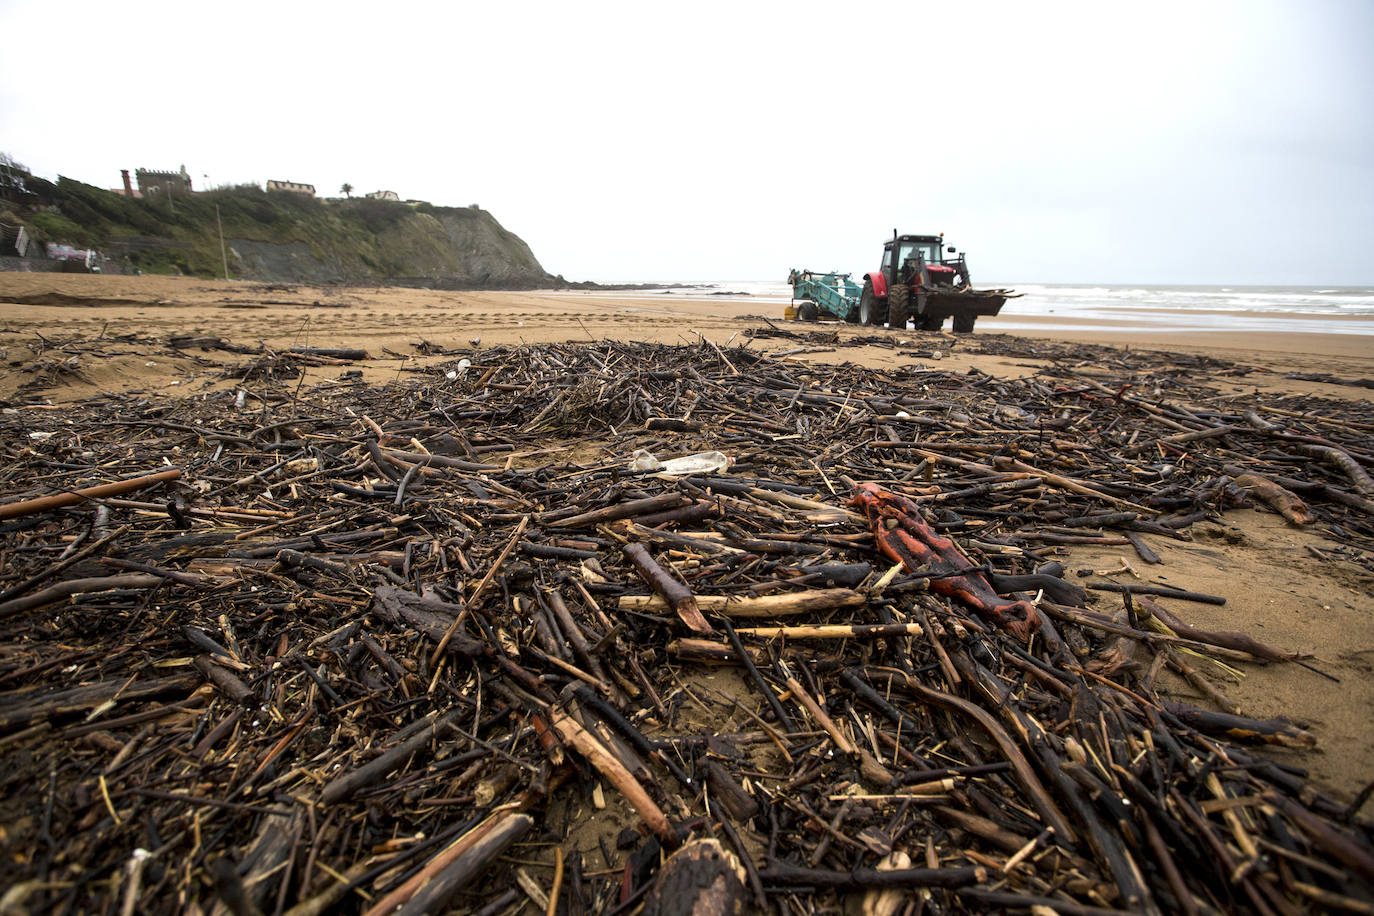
x=397 y=320
x=1097 y=319
x=1314 y=342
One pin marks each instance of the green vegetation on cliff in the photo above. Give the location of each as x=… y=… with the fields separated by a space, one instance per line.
x=283 y=236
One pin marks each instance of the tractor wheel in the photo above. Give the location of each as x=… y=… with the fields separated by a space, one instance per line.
x=963 y=324
x=808 y=311
x=898 y=306
x=928 y=322
x=871 y=311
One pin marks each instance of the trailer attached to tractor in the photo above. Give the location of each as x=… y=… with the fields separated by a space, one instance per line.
x=914 y=283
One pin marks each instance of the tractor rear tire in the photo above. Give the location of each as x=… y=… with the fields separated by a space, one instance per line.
x=928 y=322
x=898 y=306
x=808 y=311
x=871 y=310
x=963 y=324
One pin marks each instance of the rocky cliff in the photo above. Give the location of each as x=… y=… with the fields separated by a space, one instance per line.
x=286 y=237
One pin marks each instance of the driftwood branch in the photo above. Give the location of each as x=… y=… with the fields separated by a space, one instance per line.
x=75 y=497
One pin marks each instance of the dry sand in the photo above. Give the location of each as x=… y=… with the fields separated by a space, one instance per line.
x=1277 y=589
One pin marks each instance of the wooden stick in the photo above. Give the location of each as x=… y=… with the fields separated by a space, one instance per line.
x=1066 y=483
x=673 y=593
x=465 y=856
x=1241 y=728
x=835 y=631
x=1161 y=591
x=1019 y=764
x=781 y=605
x=557 y=881
x=782 y=873
x=1210 y=433
x=476 y=597
x=586 y=744
x=1083 y=619
x=75 y=587
x=1361 y=480
x=226 y=682
x=1227 y=639
x=801 y=696
x=711 y=652
x=627 y=509
x=932 y=789
x=351 y=781
x=58 y=500
x=1355 y=855
x=1283 y=501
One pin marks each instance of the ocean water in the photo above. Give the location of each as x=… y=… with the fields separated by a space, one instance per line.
x=1299 y=309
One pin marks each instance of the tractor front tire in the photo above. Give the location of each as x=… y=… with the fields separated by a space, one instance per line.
x=808 y=311
x=963 y=324
x=871 y=311
x=898 y=306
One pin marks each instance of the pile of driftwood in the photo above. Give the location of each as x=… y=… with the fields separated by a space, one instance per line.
x=443 y=644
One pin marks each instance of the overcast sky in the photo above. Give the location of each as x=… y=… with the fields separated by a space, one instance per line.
x=1056 y=142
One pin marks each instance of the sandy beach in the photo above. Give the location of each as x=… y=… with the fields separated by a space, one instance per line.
x=391 y=322
x=1281 y=583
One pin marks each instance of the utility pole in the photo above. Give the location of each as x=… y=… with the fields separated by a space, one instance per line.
x=223 y=256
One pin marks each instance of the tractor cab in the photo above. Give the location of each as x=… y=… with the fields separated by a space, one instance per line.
x=917 y=260
x=921 y=280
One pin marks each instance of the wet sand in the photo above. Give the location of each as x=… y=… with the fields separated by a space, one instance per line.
x=116 y=329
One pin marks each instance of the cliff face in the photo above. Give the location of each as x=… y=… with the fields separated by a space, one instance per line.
x=284 y=237
x=459 y=248
x=440 y=247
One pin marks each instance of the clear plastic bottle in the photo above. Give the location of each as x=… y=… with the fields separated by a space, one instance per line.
x=700 y=463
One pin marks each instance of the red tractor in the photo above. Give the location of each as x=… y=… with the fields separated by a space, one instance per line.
x=916 y=282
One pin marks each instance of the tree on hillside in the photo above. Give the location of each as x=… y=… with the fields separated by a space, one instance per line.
x=347 y=189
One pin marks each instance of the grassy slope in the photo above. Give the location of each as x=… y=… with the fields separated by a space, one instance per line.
x=373 y=239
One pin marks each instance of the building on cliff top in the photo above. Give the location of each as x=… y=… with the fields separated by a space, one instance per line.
x=383 y=195
x=293 y=187
x=152 y=182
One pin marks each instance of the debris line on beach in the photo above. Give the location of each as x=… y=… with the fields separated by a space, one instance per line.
x=435 y=644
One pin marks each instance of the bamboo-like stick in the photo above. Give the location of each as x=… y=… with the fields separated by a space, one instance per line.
x=58 y=500
x=822 y=719
x=1066 y=483
x=835 y=631
x=780 y=605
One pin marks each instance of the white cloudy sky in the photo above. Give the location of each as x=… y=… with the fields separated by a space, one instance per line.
x=1062 y=142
